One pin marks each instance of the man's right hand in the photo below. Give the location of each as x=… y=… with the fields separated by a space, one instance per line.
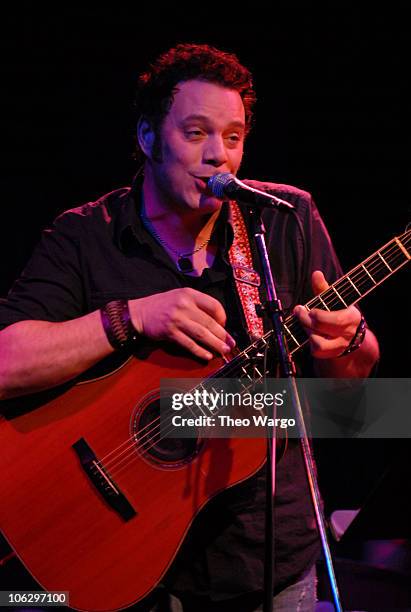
x=192 y=319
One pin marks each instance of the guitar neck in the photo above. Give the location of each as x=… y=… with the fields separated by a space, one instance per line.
x=349 y=289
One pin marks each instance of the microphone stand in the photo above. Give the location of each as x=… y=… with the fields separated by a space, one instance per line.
x=287 y=368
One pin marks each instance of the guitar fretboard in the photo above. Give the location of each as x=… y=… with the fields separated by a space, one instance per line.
x=350 y=288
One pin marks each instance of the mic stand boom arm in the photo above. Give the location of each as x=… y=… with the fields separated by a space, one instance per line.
x=275 y=313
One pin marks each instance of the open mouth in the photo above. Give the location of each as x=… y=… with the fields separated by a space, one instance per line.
x=202 y=182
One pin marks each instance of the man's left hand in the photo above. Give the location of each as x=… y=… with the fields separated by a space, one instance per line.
x=329 y=333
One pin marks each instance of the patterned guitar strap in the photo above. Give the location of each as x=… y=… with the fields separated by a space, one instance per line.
x=247 y=280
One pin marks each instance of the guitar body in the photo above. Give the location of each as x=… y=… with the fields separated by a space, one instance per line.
x=60 y=525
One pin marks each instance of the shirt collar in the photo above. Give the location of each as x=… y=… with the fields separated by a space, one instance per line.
x=129 y=229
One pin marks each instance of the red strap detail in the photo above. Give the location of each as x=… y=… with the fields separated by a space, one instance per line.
x=246 y=278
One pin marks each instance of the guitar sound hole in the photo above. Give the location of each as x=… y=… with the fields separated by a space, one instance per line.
x=170 y=452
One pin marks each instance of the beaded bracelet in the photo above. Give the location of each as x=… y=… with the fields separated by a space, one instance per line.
x=117 y=324
x=357 y=338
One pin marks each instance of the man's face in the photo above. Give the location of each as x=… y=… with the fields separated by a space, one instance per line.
x=202 y=135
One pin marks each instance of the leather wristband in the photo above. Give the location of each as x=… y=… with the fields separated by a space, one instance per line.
x=117 y=324
x=357 y=339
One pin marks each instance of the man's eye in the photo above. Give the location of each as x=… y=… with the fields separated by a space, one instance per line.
x=234 y=138
x=194 y=133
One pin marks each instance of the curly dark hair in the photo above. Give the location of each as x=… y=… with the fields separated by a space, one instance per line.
x=156 y=87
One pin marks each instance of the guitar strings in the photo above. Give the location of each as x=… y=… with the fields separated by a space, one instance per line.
x=358 y=273
x=132 y=456
x=228 y=368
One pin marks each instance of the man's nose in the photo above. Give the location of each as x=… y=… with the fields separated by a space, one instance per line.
x=215 y=151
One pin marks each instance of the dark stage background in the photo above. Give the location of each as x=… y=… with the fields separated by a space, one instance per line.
x=330 y=119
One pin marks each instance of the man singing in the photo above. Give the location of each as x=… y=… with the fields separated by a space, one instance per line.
x=151 y=262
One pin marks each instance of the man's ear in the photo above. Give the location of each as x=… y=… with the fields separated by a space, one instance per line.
x=145 y=136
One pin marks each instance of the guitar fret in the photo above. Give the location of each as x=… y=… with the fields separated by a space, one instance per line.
x=192 y=408
x=383 y=260
x=379 y=269
x=292 y=335
x=246 y=373
x=199 y=406
x=349 y=279
x=338 y=295
x=363 y=266
x=245 y=353
x=323 y=303
x=362 y=280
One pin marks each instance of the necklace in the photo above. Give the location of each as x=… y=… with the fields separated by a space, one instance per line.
x=183 y=263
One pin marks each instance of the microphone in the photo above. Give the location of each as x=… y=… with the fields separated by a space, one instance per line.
x=227 y=185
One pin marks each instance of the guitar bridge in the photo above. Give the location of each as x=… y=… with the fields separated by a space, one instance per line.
x=102 y=481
